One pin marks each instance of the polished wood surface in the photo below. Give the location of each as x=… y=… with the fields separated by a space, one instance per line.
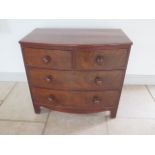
x=74 y=37
x=76 y=70
x=76 y=80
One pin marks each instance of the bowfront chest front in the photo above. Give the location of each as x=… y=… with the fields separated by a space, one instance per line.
x=76 y=70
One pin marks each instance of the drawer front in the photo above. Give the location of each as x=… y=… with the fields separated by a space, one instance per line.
x=55 y=59
x=101 y=59
x=74 y=98
x=76 y=80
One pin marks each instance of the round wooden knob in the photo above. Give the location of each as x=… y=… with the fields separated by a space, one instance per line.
x=51 y=98
x=46 y=59
x=49 y=78
x=99 y=81
x=99 y=60
x=96 y=100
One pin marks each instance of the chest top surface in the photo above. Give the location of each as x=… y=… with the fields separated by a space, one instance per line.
x=75 y=37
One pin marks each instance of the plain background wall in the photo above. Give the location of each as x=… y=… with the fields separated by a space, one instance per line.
x=141 y=32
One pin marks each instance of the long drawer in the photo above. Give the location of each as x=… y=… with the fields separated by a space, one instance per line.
x=76 y=99
x=76 y=80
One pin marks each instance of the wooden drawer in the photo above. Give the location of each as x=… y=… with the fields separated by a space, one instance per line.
x=75 y=99
x=101 y=59
x=55 y=59
x=76 y=80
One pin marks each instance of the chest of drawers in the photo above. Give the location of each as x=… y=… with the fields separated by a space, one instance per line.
x=76 y=70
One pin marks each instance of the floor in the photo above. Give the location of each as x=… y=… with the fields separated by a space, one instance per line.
x=136 y=114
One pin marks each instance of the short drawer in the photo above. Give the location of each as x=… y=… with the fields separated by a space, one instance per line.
x=76 y=80
x=101 y=59
x=55 y=59
x=74 y=98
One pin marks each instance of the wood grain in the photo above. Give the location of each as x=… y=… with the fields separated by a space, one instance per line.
x=75 y=99
x=112 y=59
x=76 y=80
x=58 y=59
x=76 y=37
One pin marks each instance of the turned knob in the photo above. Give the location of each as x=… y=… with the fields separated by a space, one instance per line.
x=49 y=78
x=99 y=60
x=46 y=59
x=96 y=100
x=51 y=98
x=99 y=81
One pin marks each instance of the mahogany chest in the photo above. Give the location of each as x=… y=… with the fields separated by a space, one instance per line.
x=76 y=70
